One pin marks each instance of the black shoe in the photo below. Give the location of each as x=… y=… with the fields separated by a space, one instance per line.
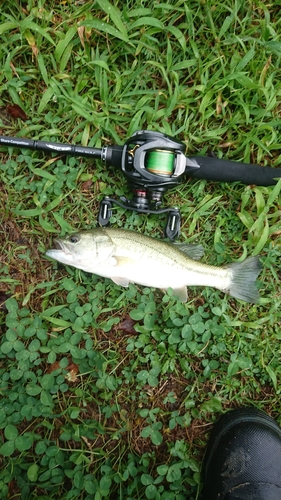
x=243 y=458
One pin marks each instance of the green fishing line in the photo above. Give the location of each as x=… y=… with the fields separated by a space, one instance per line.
x=160 y=162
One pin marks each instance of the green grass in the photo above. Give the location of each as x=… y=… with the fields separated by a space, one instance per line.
x=109 y=392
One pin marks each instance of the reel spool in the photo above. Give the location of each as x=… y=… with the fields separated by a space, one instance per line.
x=160 y=162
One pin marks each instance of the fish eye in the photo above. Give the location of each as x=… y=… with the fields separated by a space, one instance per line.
x=73 y=239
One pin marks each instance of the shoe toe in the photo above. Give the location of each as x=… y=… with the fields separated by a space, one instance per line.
x=244 y=451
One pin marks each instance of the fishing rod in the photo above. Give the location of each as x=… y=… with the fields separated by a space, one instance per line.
x=152 y=163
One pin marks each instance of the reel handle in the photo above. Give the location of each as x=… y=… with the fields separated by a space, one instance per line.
x=173 y=222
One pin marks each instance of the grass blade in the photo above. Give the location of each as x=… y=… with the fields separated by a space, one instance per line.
x=63 y=44
x=147 y=21
x=115 y=15
x=104 y=27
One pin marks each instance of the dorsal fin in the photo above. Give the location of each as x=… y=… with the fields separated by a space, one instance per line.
x=194 y=252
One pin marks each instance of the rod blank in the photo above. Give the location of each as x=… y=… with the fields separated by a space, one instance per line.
x=51 y=147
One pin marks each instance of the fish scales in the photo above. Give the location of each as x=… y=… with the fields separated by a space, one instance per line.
x=169 y=257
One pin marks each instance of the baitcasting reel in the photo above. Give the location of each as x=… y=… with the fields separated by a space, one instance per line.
x=152 y=163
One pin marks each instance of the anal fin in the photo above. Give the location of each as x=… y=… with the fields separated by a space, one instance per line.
x=180 y=293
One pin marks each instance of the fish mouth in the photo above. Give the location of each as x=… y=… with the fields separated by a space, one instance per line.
x=59 y=246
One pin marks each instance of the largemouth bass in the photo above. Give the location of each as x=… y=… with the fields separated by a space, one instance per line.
x=129 y=257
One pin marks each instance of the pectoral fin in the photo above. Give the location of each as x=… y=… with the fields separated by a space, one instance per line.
x=124 y=261
x=120 y=264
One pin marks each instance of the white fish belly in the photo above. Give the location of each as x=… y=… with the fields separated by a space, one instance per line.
x=152 y=273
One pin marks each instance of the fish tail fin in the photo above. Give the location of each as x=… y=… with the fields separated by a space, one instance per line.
x=244 y=275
